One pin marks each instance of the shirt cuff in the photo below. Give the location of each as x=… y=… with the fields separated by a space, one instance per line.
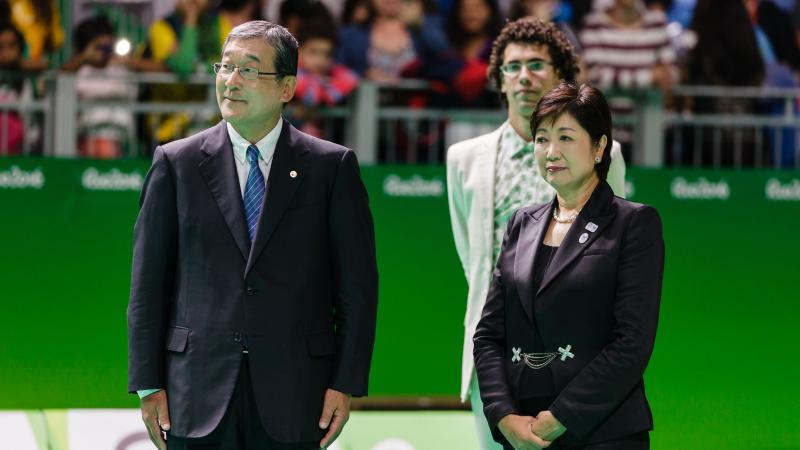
x=145 y=392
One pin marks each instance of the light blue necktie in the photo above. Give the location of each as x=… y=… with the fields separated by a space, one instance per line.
x=253 y=192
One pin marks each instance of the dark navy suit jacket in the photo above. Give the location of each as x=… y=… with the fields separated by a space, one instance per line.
x=302 y=297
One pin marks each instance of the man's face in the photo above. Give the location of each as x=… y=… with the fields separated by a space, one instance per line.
x=252 y=104
x=524 y=88
x=10 y=50
x=317 y=55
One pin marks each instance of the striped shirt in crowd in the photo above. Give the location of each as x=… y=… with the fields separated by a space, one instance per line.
x=618 y=56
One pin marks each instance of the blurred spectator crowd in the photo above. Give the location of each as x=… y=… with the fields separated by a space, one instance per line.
x=624 y=44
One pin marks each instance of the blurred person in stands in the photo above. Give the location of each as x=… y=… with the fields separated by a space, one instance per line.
x=659 y=5
x=726 y=54
x=293 y=13
x=491 y=176
x=556 y=11
x=627 y=47
x=236 y=12
x=471 y=28
x=355 y=12
x=103 y=132
x=264 y=347
x=320 y=81
x=571 y=314
x=399 y=39
x=39 y=21
x=14 y=87
x=186 y=41
x=779 y=51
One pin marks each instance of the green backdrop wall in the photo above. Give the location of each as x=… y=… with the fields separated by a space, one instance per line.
x=725 y=368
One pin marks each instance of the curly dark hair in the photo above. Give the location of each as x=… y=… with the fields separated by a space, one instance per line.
x=530 y=30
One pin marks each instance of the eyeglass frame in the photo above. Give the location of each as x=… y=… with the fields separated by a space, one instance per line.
x=219 y=66
x=526 y=64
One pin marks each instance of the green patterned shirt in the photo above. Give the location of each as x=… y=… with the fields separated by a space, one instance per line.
x=517 y=181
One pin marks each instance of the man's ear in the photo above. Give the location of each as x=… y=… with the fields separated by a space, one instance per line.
x=289 y=84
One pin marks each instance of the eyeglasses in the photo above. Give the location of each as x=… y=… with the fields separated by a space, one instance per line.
x=534 y=66
x=248 y=73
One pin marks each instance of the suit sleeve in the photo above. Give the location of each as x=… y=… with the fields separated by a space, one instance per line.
x=616 y=171
x=154 y=256
x=490 y=348
x=355 y=271
x=605 y=382
x=458 y=210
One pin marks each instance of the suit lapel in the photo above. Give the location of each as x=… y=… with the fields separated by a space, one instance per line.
x=597 y=211
x=289 y=157
x=534 y=227
x=485 y=164
x=218 y=169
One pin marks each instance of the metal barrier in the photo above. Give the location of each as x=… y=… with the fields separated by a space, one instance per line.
x=768 y=134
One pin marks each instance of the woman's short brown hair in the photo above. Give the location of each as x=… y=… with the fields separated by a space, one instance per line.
x=588 y=106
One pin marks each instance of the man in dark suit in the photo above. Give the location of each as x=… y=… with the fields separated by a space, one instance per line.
x=254 y=285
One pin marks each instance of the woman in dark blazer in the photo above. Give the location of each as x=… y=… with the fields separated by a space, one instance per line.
x=571 y=315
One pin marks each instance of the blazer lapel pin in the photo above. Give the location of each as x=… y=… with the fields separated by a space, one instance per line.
x=591 y=226
x=584 y=237
x=293 y=174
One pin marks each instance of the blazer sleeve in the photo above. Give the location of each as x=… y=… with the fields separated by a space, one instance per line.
x=604 y=383
x=616 y=171
x=458 y=210
x=489 y=348
x=155 y=239
x=355 y=277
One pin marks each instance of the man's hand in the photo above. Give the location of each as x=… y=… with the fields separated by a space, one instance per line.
x=547 y=426
x=155 y=415
x=335 y=413
x=517 y=429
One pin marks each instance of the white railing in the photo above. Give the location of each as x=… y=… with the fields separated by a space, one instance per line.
x=392 y=134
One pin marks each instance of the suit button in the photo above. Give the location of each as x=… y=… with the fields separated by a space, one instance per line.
x=250 y=291
x=237 y=337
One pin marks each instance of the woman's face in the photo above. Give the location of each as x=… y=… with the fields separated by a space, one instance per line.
x=474 y=15
x=566 y=154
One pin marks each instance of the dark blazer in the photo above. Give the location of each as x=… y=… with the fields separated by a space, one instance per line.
x=600 y=297
x=303 y=299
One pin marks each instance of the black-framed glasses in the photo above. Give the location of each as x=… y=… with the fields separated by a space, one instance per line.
x=248 y=73
x=534 y=66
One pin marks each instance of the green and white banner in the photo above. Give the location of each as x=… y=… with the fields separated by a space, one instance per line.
x=727 y=331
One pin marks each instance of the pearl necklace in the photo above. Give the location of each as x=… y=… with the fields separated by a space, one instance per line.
x=560 y=219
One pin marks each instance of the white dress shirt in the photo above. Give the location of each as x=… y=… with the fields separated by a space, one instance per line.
x=266 y=149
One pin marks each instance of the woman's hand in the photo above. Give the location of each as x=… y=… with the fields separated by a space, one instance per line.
x=547 y=426
x=518 y=431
